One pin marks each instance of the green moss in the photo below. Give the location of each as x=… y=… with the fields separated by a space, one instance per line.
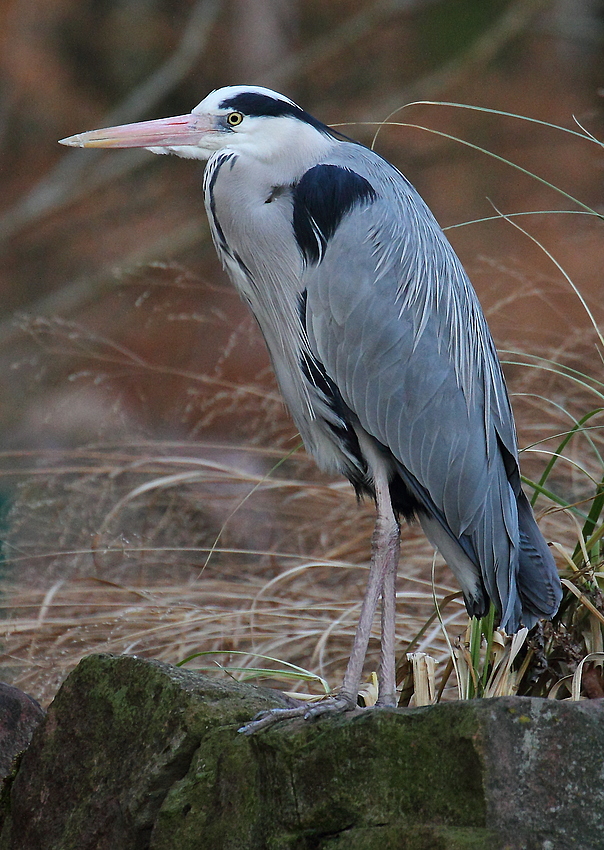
x=298 y=784
x=136 y=754
x=119 y=734
x=398 y=837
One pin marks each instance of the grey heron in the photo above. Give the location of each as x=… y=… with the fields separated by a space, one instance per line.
x=380 y=348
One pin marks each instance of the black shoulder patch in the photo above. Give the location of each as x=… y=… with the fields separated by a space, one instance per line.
x=321 y=200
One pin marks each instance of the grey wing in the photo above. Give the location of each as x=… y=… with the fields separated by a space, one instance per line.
x=398 y=329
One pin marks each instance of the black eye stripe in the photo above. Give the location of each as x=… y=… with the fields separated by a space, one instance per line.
x=253 y=104
x=258 y=105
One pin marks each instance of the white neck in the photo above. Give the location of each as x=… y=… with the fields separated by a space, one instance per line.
x=288 y=145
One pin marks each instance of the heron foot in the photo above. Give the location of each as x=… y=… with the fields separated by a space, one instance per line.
x=330 y=705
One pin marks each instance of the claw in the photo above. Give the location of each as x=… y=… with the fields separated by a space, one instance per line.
x=334 y=705
x=331 y=705
x=264 y=719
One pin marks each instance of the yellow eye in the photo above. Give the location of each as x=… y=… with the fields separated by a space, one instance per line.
x=234 y=118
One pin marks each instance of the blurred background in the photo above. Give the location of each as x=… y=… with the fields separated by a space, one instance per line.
x=154 y=498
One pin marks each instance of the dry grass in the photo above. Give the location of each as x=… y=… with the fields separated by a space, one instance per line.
x=188 y=561
x=166 y=550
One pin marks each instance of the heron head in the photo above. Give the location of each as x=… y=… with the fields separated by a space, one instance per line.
x=248 y=119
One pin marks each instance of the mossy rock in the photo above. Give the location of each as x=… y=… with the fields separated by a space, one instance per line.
x=136 y=754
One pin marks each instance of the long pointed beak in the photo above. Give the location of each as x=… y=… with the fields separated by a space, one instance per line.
x=161 y=133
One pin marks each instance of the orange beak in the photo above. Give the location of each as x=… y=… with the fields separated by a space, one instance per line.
x=161 y=133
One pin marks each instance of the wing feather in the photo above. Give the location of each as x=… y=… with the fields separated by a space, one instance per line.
x=399 y=330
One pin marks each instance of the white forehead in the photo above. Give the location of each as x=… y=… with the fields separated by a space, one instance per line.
x=211 y=103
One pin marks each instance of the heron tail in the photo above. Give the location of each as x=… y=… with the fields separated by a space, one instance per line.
x=538 y=582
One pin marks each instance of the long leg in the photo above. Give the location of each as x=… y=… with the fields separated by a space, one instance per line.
x=382 y=575
x=391 y=543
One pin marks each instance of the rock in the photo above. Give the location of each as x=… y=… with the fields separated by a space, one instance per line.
x=19 y=716
x=136 y=754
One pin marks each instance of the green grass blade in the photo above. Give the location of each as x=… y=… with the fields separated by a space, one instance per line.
x=292 y=672
x=500 y=216
x=497 y=157
x=558 y=451
x=475 y=645
x=488 y=628
x=586 y=137
x=553 y=497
